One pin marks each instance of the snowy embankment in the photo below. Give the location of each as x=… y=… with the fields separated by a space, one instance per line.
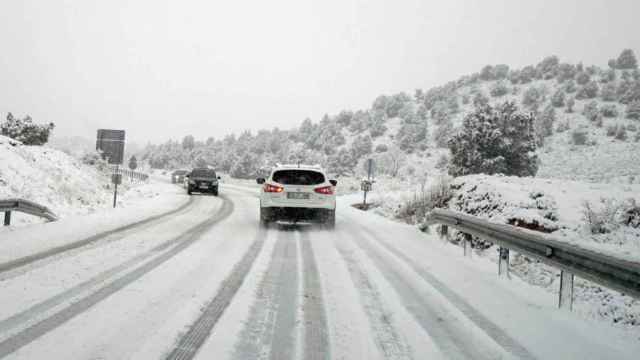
x=555 y=208
x=77 y=193
x=60 y=182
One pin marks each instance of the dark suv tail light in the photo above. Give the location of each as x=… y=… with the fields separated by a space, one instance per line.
x=272 y=188
x=326 y=190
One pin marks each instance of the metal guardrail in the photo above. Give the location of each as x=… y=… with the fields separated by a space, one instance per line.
x=25 y=206
x=132 y=174
x=615 y=273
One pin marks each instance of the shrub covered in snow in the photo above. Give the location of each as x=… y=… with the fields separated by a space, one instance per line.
x=579 y=136
x=495 y=140
x=25 y=130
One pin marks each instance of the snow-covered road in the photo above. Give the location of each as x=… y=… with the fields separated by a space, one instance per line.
x=205 y=282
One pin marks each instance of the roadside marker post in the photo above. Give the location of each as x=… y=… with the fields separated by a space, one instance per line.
x=367 y=184
x=111 y=145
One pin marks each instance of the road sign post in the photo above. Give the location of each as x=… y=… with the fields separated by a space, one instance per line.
x=110 y=143
x=367 y=185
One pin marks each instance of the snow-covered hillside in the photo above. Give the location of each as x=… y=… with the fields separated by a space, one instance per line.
x=54 y=179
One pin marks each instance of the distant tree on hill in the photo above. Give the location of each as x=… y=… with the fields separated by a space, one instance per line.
x=588 y=91
x=188 y=142
x=612 y=64
x=495 y=140
x=591 y=111
x=566 y=72
x=443 y=133
x=245 y=167
x=499 y=88
x=609 y=111
x=583 y=78
x=608 y=92
x=342 y=163
x=344 y=118
x=479 y=99
x=627 y=60
x=133 y=162
x=361 y=146
x=557 y=99
x=486 y=73
x=377 y=123
x=548 y=67
x=633 y=110
x=532 y=98
x=25 y=130
x=570 y=87
x=544 y=123
x=527 y=74
x=631 y=92
x=500 y=71
x=570 y=104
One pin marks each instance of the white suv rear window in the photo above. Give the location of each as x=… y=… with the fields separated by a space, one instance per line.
x=298 y=177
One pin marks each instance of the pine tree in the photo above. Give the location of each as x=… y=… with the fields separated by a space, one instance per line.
x=557 y=99
x=25 y=130
x=627 y=60
x=133 y=162
x=633 y=110
x=494 y=140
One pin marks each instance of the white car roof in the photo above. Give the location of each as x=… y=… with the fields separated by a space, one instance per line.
x=297 y=166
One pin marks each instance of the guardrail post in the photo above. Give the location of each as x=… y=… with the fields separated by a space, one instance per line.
x=467 y=245
x=503 y=263
x=565 y=300
x=444 y=231
x=7 y=218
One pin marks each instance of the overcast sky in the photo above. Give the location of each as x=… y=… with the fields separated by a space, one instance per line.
x=163 y=69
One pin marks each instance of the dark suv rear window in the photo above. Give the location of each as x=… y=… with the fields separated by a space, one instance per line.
x=298 y=177
x=206 y=173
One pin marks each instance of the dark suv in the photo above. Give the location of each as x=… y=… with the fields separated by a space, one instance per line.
x=202 y=180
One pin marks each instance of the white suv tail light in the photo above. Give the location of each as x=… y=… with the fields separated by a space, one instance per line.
x=325 y=190
x=272 y=188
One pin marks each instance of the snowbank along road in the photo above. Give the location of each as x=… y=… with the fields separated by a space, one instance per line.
x=204 y=281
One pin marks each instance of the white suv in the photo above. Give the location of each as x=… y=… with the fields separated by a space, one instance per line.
x=297 y=193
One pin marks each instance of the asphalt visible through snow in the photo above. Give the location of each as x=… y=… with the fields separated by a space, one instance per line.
x=204 y=281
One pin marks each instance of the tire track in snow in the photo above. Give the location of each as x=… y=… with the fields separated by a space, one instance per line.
x=316 y=338
x=56 y=252
x=269 y=331
x=453 y=337
x=386 y=338
x=189 y=344
x=488 y=326
x=42 y=327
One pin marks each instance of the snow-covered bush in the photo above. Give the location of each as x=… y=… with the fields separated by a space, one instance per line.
x=588 y=91
x=25 y=130
x=499 y=88
x=633 y=110
x=603 y=217
x=582 y=78
x=621 y=133
x=608 y=92
x=570 y=104
x=437 y=195
x=590 y=111
x=579 y=137
x=533 y=97
x=495 y=140
x=626 y=60
x=612 y=130
x=609 y=110
x=563 y=126
x=557 y=99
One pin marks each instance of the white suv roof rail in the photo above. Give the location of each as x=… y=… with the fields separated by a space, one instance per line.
x=301 y=166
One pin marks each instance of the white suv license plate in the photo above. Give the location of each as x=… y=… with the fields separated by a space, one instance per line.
x=297 y=195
